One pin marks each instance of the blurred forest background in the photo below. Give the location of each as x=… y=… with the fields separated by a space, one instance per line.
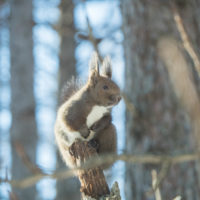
x=154 y=47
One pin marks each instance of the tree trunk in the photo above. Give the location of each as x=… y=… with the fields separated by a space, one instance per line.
x=66 y=188
x=159 y=125
x=93 y=182
x=67 y=46
x=23 y=127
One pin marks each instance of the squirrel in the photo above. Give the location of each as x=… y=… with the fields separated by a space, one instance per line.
x=85 y=112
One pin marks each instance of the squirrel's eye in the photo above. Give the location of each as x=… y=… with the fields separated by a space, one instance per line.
x=105 y=87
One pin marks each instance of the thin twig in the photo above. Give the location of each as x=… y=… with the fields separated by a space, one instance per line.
x=185 y=39
x=25 y=158
x=155 y=185
x=91 y=34
x=13 y=196
x=177 y=198
x=161 y=176
x=129 y=105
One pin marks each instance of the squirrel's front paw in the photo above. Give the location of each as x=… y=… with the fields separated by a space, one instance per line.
x=85 y=132
x=101 y=124
x=93 y=143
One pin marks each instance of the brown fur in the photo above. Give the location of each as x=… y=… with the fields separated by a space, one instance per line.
x=99 y=90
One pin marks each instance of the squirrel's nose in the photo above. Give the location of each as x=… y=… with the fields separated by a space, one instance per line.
x=115 y=98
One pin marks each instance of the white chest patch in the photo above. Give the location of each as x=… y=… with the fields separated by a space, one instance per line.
x=96 y=113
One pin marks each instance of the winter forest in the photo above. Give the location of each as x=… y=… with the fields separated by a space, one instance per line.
x=155 y=56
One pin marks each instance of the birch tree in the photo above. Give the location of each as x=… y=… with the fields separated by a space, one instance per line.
x=23 y=129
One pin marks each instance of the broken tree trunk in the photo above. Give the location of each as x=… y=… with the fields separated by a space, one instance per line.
x=93 y=182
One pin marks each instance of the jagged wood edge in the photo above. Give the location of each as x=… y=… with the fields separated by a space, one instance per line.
x=93 y=182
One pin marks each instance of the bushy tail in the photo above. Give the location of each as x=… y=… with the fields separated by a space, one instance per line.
x=70 y=88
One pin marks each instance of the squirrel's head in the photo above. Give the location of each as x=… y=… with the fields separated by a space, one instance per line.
x=103 y=90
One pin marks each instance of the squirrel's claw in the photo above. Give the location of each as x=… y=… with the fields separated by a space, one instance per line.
x=93 y=143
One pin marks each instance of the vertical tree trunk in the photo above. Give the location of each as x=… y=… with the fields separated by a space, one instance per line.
x=23 y=127
x=66 y=188
x=159 y=125
x=67 y=46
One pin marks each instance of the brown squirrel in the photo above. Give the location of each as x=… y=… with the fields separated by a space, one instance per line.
x=86 y=111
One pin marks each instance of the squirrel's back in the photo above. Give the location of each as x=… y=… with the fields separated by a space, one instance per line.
x=70 y=88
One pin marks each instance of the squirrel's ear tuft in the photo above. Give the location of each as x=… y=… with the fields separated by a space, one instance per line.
x=106 y=67
x=94 y=63
x=94 y=67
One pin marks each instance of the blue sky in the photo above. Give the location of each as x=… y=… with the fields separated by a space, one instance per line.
x=46 y=51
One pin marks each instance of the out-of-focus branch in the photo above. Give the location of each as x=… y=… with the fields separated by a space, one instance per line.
x=100 y=160
x=181 y=79
x=161 y=176
x=185 y=39
x=155 y=185
x=129 y=105
x=177 y=198
x=91 y=34
x=13 y=196
x=183 y=84
x=156 y=189
x=25 y=159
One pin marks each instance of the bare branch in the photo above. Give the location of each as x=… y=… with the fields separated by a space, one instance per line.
x=129 y=105
x=25 y=158
x=100 y=160
x=155 y=185
x=183 y=84
x=185 y=39
x=177 y=198
x=91 y=34
x=161 y=176
x=12 y=195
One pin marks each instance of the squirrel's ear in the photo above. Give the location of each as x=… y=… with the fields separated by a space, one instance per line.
x=94 y=63
x=94 y=67
x=106 y=67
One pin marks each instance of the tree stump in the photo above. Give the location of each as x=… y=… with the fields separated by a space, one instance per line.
x=93 y=182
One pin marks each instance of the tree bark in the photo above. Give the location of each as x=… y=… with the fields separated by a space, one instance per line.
x=159 y=124
x=66 y=188
x=93 y=182
x=23 y=127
